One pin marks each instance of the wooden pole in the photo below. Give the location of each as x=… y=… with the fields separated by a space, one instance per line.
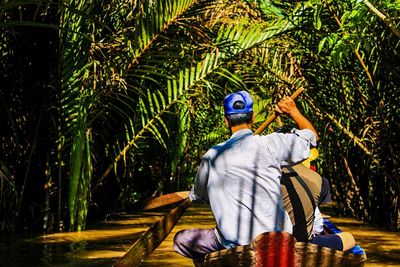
x=271 y=118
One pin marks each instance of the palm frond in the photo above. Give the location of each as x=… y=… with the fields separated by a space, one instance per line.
x=76 y=98
x=154 y=21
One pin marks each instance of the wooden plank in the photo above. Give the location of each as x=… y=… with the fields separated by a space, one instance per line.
x=266 y=250
x=274 y=249
x=153 y=237
x=243 y=256
x=310 y=255
x=165 y=200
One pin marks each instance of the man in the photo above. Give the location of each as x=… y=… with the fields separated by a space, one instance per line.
x=240 y=179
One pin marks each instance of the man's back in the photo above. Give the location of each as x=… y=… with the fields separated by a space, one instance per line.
x=244 y=188
x=243 y=182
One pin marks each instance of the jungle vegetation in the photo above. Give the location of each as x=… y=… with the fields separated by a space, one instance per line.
x=105 y=104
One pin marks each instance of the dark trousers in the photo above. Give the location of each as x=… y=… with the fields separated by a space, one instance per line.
x=330 y=241
x=196 y=243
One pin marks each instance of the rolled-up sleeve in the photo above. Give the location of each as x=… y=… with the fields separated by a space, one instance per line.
x=199 y=190
x=307 y=135
x=294 y=147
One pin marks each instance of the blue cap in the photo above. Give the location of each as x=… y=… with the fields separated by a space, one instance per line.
x=239 y=96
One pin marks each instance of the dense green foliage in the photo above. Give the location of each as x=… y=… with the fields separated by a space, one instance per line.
x=105 y=104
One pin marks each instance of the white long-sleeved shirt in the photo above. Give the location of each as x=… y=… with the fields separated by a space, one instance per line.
x=240 y=179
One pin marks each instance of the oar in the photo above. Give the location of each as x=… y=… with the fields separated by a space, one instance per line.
x=153 y=237
x=176 y=197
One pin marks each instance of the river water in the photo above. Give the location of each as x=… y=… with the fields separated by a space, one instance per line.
x=105 y=242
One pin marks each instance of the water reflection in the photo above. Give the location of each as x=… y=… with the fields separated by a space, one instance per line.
x=105 y=242
x=101 y=245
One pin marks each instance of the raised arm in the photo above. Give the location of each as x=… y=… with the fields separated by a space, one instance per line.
x=287 y=106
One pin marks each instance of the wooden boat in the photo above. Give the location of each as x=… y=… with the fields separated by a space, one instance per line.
x=280 y=250
x=267 y=250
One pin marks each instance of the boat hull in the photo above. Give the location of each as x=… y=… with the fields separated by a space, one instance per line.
x=280 y=249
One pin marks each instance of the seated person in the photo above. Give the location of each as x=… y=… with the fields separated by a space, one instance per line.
x=302 y=191
x=301 y=188
x=240 y=179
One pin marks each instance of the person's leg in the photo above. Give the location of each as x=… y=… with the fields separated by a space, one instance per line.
x=348 y=240
x=196 y=243
x=342 y=241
